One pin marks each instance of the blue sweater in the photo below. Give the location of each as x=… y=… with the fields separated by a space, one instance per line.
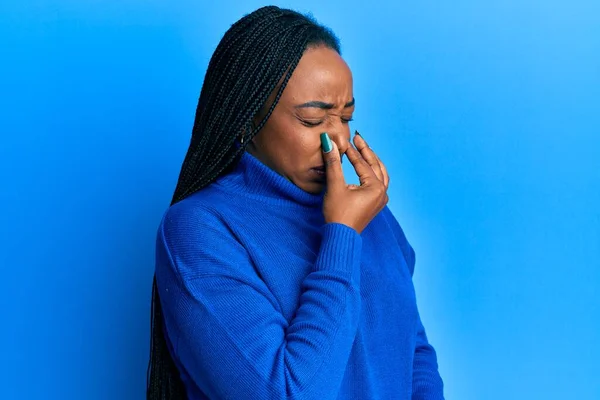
x=264 y=300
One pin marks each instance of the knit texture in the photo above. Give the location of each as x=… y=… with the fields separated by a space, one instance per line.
x=264 y=300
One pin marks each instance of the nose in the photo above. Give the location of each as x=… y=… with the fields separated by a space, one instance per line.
x=341 y=137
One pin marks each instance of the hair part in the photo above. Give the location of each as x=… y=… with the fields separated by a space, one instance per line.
x=256 y=57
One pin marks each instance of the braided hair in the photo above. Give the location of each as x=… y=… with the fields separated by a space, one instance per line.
x=255 y=57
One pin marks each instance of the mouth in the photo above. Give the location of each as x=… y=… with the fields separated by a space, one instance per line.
x=319 y=171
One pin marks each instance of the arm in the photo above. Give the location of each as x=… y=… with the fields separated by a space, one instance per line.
x=427 y=382
x=226 y=327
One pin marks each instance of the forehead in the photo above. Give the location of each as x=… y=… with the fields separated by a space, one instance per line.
x=321 y=75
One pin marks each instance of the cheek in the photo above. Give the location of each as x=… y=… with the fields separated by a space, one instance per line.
x=295 y=137
x=273 y=135
x=291 y=146
x=310 y=140
x=279 y=142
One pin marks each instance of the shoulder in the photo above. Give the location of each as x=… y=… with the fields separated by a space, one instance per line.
x=195 y=219
x=196 y=209
x=195 y=240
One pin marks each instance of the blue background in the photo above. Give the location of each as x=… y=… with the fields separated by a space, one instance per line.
x=487 y=115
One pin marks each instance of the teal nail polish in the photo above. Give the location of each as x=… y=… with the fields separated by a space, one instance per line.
x=326 y=142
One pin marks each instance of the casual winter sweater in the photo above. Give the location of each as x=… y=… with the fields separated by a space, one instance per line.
x=264 y=300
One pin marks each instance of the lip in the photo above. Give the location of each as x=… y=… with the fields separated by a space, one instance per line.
x=319 y=172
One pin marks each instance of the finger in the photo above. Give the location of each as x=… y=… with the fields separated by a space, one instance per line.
x=386 y=176
x=368 y=155
x=363 y=169
x=333 y=165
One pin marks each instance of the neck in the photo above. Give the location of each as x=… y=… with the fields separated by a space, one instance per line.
x=254 y=178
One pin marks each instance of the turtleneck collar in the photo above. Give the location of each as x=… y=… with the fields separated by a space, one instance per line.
x=252 y=178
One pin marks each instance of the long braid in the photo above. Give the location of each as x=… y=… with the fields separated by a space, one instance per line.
x=211 y=175
x=255 y=57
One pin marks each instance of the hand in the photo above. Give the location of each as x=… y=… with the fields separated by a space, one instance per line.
x=353 y=205
x=369 y=155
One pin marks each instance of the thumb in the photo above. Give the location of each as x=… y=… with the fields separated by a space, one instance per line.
x=333 y=165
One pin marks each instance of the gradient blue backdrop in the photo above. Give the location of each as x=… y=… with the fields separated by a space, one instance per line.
x=486 y=113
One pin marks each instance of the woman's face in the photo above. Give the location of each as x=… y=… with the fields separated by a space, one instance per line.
x=318 y=98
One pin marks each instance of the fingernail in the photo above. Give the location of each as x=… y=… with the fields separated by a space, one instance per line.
x=356 y=133
x=326 y=142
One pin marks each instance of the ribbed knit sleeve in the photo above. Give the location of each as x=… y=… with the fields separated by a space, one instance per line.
x=427 y=382
x=226 y=328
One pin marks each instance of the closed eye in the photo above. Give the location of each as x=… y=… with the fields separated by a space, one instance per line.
x=310 y=123
x=317 y=123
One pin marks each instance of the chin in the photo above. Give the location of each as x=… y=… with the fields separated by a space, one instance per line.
x=314 y=187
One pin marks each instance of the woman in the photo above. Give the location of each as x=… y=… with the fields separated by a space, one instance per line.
x=274 y=278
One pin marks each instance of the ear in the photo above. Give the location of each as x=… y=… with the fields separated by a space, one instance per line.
x=240 y=137
x=244 y=131
x=253 y=126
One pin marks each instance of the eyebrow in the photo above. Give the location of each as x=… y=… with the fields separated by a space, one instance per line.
x=322 y=105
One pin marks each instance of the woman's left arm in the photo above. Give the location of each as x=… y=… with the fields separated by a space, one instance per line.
x=427 y=382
